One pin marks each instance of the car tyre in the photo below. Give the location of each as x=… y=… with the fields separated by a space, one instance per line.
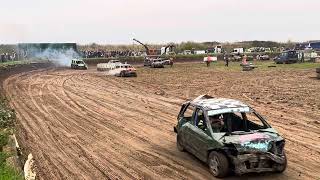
x=180 y=144
x=218 y=164
x=121 y=74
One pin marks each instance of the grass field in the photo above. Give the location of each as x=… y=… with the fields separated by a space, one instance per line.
x=12 y=63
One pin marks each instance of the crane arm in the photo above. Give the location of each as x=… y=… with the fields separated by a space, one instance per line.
x=145 y=46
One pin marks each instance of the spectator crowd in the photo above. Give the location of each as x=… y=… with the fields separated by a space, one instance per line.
x=4 y=57
x=107 y=54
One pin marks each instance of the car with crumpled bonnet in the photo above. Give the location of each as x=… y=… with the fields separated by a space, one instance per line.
x=244 y=143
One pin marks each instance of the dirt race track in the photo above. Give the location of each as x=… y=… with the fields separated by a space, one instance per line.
x=84 y=125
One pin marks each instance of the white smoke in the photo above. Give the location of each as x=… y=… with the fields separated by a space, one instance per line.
x=58 y=57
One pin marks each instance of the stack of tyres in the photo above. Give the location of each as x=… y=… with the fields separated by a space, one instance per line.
x=318 y=72
x=247 y=67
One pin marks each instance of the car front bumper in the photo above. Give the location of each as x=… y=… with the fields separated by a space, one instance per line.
x=266 y=162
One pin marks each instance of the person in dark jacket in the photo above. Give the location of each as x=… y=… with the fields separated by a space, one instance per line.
x=226 y=59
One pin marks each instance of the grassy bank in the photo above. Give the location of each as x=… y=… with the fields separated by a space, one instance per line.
x=7 y=117
x=261 y=66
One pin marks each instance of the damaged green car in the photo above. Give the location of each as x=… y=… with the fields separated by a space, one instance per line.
x=229 y=136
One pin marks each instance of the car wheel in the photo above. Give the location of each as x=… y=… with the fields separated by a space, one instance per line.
x=179 y=144
x=218 y=164
x=282 y=167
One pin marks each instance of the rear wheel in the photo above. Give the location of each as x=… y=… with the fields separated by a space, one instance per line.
x=218 y=164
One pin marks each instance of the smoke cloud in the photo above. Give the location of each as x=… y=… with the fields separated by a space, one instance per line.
x=58 y=57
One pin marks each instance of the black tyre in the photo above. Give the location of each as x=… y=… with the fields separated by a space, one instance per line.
x=180 y=144
x=282 y=167
x=218 y=164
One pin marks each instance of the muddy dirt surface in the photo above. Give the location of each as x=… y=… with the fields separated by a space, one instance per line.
x=19 y=68
x=84 y=125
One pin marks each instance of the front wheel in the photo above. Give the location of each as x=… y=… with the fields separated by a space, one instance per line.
x=179 y=144
x=218 y=164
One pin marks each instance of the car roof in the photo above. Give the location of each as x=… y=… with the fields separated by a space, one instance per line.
x=211 y=103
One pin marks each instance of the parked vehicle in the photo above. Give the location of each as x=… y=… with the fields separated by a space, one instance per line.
x=229 y=135
x=187 y=52
x=199 y=52
x=287 y=57
x=238 y=51
x=263 y=57
x=157 y=63
x=149 y=60
x=234 y=57
x=78 y=64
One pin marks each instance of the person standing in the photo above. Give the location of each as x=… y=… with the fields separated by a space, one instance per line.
x=208 y=60
x=226 y=59
x=244 y=60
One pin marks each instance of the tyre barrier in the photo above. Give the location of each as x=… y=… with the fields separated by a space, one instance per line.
x=247 y=68
x=29 y=173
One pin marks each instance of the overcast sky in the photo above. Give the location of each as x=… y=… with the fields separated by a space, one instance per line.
x=157 y=21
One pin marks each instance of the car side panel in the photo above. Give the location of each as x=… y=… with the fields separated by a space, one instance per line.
x=186 y=134
x=199 y=141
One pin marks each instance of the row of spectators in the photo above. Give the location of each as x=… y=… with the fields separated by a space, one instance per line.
x=107 y=54
x=4 y=57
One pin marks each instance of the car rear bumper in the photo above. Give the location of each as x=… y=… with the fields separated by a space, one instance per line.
x=266 y=162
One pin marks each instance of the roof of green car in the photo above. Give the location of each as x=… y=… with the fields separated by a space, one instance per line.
x=211 y=103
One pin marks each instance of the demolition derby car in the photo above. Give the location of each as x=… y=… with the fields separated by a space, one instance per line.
x=124 y=70
x=78 y=64
x=229 y=136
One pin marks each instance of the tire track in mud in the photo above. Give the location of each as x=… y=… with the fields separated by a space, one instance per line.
x=80 y=125
x=44 y=108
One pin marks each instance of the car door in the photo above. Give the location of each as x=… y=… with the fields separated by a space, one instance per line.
x=184 y=124
x=199 y=135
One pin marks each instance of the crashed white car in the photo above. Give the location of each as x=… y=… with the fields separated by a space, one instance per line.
x=123 y=70
x=108 y=66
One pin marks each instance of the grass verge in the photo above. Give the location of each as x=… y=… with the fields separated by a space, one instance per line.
x=7 y=117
